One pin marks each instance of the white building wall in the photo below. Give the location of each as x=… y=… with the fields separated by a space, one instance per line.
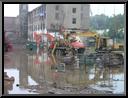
x=69 y=15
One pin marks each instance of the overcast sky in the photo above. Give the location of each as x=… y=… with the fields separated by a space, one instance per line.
x=107 y=9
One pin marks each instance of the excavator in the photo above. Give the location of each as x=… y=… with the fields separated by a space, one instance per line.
x=67 y=43
x=103 y=48
x=99 y=43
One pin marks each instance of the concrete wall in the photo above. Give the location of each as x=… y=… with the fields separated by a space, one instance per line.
x=85 y=20
x=51 y=21
x=69 y=15
x=66 y=15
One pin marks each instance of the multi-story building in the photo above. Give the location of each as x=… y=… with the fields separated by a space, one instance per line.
x=50 y=16
x=36 y=20
x=55 y=16
x=76 y=16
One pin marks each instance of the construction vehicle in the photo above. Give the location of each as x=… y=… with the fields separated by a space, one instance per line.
x=102 y=48
x=93 y=39
x=65 y=44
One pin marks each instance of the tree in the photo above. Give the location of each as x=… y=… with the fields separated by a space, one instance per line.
x=99 y=22
x=115 y=25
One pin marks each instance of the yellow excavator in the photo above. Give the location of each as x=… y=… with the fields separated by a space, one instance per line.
x=102 y=46
x=94 y=40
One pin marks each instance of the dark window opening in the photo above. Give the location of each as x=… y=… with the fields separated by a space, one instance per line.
x=57 y=7
x=57 y=16
x=74 y=21
x=74 y=10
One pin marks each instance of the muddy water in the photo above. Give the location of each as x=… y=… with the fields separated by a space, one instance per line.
x=40 y=73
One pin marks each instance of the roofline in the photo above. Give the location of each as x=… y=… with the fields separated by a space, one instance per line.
x=34 y=9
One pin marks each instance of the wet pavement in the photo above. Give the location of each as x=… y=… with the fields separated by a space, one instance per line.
x=40 y=73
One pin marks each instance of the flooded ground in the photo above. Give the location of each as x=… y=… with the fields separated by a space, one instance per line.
x=40 y=73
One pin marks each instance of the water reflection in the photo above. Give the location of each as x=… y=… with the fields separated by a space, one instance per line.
x=40 y=72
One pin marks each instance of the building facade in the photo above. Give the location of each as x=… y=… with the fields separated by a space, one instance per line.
x=50 y=16
x=36 y=20
x=76 y=16
x=55 y=16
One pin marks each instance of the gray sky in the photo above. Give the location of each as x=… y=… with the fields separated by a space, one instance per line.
x=107 y=9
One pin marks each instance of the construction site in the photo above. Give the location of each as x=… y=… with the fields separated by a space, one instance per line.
x=61 y=55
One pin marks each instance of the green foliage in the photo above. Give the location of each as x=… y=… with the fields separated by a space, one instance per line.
x=99 y=22
x=115 y=25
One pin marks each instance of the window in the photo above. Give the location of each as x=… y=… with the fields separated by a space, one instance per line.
x=38 y=11
x=38 y=27
x=57 y=7
x=57 y=16
x=73 y=20
x=74 y=10
x=41 y=26
x=33 y=27
x=34 y=13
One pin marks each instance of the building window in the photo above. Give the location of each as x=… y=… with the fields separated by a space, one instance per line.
x=38 y=27
x=37 y=12
x=74 y=10
x=73 y=20
x=57 y=16
x=33 y=27
x=41 y=26
x=57 y=7
x=34 y=13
